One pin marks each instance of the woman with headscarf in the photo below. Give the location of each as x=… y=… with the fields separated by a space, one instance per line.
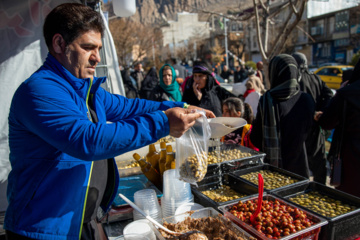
x=315 y=143
x=202 y=90
x=284 y=116
x=254 y=90
x=335 y=114
x=168 y=89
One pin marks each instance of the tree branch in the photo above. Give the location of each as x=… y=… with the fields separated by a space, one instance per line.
x=258 y=32
x=287 y=29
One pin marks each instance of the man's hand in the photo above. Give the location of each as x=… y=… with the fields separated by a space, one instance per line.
x=180 y=120
x=208 y=113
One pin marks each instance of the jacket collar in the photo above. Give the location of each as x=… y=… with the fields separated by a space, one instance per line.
x=79 y=85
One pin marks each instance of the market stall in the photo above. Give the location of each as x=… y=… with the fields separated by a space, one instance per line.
x=304 y=209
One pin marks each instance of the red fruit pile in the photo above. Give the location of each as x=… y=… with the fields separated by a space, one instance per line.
x=275 y=220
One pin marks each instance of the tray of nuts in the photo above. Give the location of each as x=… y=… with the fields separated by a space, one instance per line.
x=274 y=178
x=232 y=157
x=217 y=193
x=340 y=209
x=278 y=219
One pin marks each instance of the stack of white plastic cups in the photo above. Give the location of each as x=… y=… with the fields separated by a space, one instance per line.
x=147 y=200
x=175 y=193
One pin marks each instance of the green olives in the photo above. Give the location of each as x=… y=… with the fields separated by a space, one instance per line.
x=272 y=179
x=322 y=204
x=222 y=194
x=226 y=155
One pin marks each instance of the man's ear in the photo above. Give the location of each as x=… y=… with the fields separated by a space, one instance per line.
x=58 y=43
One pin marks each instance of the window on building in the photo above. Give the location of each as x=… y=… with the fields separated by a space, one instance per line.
x=326 y=50
x=254 y=42
x=234 y=27
x=342 y=21
x=318 y=28
x=331 y=25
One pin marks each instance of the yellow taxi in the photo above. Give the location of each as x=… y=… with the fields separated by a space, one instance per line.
x=332 y=75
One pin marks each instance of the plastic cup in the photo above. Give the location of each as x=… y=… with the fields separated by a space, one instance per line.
x=169 y=207
x=139 y=229
x=173 y=188
x=147 y=200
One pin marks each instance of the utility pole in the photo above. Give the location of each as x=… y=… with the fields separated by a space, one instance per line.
x=226 y=44
x=153 y=51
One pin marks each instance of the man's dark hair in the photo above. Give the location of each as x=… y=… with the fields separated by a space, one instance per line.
x=71 y=20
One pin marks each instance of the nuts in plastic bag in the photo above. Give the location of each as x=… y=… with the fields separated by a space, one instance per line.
x=192 y=150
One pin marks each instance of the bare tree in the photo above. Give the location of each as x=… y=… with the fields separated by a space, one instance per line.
x=271 y=38
x=134 y=41
x=293 y=11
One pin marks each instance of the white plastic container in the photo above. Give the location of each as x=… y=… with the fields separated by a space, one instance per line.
x=139 y=227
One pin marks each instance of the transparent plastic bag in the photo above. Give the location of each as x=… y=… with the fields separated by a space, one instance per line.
x=192 y=151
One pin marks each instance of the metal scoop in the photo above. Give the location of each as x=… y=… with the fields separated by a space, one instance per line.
x=176 y=234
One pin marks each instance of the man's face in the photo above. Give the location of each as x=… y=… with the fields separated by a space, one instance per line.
x=225 y=68
x=82 y=55
x=138 y=67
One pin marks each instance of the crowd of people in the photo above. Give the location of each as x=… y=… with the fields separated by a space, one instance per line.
x=65 y=130
x=275 y=115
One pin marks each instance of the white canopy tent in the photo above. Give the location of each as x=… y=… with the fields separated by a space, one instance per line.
x=23 y=50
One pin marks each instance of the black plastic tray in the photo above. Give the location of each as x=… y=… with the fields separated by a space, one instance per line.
x=301 y=179
x=231 y=165
x=346 y=226
x=234 y=183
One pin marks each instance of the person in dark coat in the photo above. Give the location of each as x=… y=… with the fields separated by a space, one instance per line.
x=202 y=90
x=138 y=75
x=168 y=89
x=151 y=80
x=332 y=117
x=284 y=117
x=129 y=84
x=240 y=74
x=315 y=143
x=225 y=73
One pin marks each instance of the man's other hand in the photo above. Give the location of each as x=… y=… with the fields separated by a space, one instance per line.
x=208 y=113
x=180 y=120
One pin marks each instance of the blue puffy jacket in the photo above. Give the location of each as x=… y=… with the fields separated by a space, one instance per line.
x=53 y=145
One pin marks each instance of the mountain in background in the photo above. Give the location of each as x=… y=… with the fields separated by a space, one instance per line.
x=155 y=12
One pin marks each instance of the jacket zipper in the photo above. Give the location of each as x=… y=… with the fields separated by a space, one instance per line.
x=87 y=100
x=92 y=163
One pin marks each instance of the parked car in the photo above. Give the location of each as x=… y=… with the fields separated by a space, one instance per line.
x=332 y=75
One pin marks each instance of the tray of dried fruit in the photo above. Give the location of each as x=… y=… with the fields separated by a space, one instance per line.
x=207 y=220
x=231 y=157
x=278 y=219
x=340 y=209
x=274 y=177
x=221 y=191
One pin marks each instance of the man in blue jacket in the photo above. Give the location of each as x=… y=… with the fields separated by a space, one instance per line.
x=64 y=131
